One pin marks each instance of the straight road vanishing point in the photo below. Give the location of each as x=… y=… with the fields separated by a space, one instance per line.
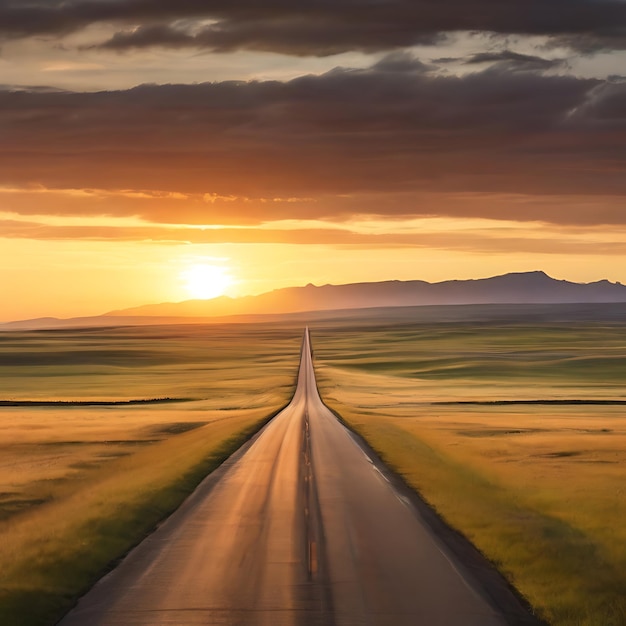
x=301 y=527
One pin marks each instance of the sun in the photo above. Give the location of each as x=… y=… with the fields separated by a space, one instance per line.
x=203 y=281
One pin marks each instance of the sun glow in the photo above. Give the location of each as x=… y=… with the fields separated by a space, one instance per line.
x=203 y=281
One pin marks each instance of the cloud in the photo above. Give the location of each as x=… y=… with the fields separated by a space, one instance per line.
x=296 y=35
x=393 y=131
x=318 y=27
x=534 y=240
x=604 y=107
x=514 y=61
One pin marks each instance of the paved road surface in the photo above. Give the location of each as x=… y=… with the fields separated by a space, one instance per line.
x=300 y=529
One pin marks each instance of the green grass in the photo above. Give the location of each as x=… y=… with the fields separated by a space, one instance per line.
x=538 y=487
x=570 y=352
x=130 y=363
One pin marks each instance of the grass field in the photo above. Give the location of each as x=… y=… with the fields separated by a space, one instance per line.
x=105 y=431
x=538 y=487
x=80 y=484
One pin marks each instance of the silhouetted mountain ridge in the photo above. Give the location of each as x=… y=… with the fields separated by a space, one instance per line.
x=525 y=287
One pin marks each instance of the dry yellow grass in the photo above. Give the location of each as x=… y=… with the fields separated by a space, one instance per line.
x=80 y=485
x=84 y=507
x=46 y=453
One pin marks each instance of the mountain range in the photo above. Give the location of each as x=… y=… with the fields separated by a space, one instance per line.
x=514 y=288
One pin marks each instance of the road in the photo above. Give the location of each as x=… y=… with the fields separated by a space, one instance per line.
x=302 y=528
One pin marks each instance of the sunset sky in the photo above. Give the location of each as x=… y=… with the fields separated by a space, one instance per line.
x=146 y=145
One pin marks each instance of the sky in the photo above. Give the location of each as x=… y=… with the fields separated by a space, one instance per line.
x=148 y=146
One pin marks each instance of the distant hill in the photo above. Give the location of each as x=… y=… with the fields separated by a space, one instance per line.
x=527 y=287
x=517 y=288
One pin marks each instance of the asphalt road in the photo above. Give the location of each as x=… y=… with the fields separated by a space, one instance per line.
x=302 y=527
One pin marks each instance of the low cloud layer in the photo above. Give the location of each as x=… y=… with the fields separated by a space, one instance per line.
x=392 y=129
x=528 y=241
x=317 y=27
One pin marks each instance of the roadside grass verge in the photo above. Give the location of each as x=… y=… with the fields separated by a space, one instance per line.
x=538 y=489
x=51 y=555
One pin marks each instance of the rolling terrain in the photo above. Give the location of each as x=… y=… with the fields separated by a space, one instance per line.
x=301 y=528
x=507 y=419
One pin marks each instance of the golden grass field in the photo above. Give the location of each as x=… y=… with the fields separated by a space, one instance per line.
x=79 y=485
x=538 y=488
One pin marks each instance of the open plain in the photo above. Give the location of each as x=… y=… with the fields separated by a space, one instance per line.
x=302 y=528
x=510 y=422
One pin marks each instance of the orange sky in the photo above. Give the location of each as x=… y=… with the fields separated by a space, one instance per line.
x=300 y=143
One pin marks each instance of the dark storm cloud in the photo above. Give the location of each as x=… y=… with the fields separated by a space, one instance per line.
x=318 y=27
x=393 y=128
x=514 y=61
x=296 y=35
